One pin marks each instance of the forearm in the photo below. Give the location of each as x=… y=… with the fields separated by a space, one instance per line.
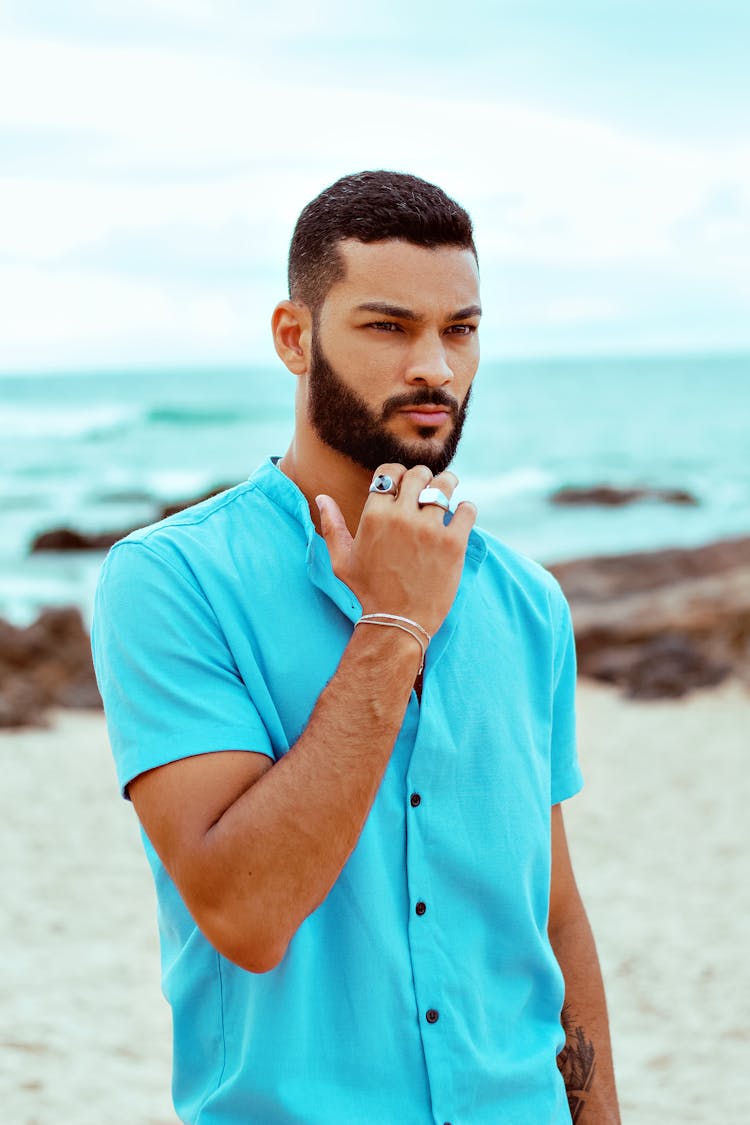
x=586 y=1059
x=274 y=854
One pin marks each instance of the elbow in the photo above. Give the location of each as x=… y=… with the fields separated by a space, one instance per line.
x=240 y=923
x=255 y=960
x=248 y=947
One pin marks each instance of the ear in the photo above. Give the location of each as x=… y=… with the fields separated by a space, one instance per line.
x=291 y=325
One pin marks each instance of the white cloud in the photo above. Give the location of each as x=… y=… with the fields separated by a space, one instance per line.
x=55 y=318
x=184 y=145
x=578 y=310
x=42 y=220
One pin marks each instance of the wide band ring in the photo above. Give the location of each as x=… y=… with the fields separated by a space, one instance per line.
x=384 y=484
x=433 y=496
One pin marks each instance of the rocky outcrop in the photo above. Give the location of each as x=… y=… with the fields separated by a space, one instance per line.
x=70 y=539
x=658 y=624
x=608 y=495
x=45 y=665
x=662 y=623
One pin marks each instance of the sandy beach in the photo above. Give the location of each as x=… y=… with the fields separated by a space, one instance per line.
x=661 y=850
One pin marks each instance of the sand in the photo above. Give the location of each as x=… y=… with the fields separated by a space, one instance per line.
x=84 y=1031
x=661 y=848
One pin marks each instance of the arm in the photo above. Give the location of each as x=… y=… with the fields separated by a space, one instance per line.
x=254 y=847
x=586 y=1059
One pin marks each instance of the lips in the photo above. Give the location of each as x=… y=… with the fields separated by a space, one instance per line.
x=427 y=415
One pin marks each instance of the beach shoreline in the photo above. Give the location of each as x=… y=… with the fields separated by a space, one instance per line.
x=656 y=843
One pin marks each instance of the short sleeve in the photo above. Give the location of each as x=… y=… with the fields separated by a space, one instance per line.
x=566 y=772
x=170 y=685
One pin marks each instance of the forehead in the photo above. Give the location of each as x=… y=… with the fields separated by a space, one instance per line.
x=395 y=272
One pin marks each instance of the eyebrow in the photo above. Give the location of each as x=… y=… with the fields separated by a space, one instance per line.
x=399 y=313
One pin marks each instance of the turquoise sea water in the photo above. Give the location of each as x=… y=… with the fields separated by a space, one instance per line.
x=100 y=451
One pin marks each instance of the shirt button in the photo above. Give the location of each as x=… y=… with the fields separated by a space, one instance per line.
x=415 y=800
x=420 y=908
x=432 y=1015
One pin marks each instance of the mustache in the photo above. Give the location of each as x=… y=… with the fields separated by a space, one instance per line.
x=423 y=396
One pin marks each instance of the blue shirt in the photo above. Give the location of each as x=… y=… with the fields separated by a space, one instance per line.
x=423 y=990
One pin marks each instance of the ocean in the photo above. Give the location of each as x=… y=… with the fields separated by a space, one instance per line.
x=103 y=451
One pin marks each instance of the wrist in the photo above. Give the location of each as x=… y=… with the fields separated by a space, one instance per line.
x=403 y=625
x=396 y=650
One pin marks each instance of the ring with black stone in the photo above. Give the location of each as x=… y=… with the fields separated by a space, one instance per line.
x=384 y=484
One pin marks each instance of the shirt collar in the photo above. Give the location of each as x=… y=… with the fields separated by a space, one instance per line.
x=284 y=493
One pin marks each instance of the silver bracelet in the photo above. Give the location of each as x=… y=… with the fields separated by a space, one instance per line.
x=397 y=617
x=394 y=621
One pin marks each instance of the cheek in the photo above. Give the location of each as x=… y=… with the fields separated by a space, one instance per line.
x=464 y=370
x=372 y=376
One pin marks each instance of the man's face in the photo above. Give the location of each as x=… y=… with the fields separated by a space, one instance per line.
x=394 y=351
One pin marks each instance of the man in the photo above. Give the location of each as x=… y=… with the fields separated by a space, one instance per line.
x=345 y=720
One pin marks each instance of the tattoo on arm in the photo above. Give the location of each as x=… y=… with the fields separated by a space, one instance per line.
x=577 y=1065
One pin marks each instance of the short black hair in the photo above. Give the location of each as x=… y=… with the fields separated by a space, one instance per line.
x=371 y=207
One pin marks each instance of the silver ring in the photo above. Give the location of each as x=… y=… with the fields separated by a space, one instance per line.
x=384 y=484
x=433 y=496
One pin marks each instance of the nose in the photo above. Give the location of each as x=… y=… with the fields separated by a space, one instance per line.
x=428 y=365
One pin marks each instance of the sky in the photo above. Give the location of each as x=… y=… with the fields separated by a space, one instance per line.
x=154 y=157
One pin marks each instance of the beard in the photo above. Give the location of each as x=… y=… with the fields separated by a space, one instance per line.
x=343 y=420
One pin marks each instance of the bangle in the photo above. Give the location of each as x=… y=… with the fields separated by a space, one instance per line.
x=395 y=621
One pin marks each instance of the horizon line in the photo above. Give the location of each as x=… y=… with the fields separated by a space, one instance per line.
x=146 y=366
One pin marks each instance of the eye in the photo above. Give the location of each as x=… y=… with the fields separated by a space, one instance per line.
x=462 y=329
x=384 y=325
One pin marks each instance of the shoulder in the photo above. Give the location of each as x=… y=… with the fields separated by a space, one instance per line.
x=527 y=577
x=529 y=595
x=160 y=577
x=209 y=516
x=191 y=537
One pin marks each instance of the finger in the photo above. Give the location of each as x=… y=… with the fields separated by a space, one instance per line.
x=446 y=482
x=395 y=472
x=334 y=530
x=464 y=518
x=412 y=483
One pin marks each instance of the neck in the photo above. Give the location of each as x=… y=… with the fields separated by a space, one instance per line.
x=316 y=468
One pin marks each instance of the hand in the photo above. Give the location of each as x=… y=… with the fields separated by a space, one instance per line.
x=404 y=559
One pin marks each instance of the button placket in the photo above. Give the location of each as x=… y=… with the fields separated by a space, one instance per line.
x=423 y=832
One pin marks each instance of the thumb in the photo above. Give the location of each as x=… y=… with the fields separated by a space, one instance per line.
x=334 y=530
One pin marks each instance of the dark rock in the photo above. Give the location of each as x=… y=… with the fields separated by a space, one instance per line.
x=611 y=496
x=20 y=703
x=662 y=623
x=173 y=509
x=603 y=577
x=669 y=666
x=69 y=539
x=45 y=665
